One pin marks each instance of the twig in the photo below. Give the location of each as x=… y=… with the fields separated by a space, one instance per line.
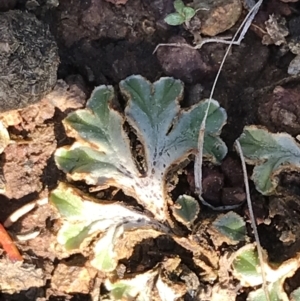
x=28 y=236
x=9 y=246
x=23 y=210
x=221 y=208
x=199 y=45
x=252 y=219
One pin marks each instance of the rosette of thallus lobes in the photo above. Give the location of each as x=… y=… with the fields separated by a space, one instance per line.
x=104 y=156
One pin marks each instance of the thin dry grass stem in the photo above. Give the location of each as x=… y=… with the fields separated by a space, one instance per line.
x=199 y=156
x=28 y=236
x=253 y=223
x=20 y=212
x=222 y=40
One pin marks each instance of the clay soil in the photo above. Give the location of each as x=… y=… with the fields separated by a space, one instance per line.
x=102 y=43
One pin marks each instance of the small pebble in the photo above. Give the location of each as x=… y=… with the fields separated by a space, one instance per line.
x=294 y=67
x=219 y=15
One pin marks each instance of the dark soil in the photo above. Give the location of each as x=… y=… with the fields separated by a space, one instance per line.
x=102 y=43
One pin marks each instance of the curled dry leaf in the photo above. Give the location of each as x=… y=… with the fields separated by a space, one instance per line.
x=277 y=31
x=113 y=230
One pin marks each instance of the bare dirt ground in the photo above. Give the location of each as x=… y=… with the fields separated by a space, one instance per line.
x=102 y=43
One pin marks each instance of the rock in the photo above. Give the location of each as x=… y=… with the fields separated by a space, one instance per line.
x=217 y=16
x=280 y=111
x=71 y=94
x=72 y=279
x=35 y=115
x=233 y=196
x=182 y=62
x=28 y=60
x=277 y=8
x=25 y=162
x=19 y=276
x=212 y=184
x=294 y=66
x=233 y=172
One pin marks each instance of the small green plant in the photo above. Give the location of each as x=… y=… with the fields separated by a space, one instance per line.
x=246 y=268
x=186 y=210
x=183 y=14
x=232 y=226
x=104 y=156
x=270 y=153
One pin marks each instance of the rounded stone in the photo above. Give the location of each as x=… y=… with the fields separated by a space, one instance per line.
x=280 y=111
x=28 y=60
x=218 y=15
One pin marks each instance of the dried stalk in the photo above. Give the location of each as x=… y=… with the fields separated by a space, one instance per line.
x=199 y=156
x=253 y=223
